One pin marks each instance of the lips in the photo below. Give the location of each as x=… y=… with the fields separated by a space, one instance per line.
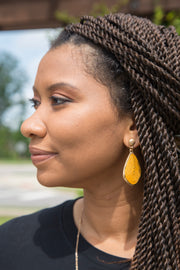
x=40 y=155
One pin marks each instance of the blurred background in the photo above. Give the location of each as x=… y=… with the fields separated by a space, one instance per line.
x=26 y=29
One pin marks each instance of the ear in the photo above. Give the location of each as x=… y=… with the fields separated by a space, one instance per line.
x=131 y=133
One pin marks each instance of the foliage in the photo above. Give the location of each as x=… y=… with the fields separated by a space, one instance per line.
x=98 y=9
x=12 y=104
x=172 y=17
x=65 y=18
x=12 y=79
x=12 y=144
x=101 y=9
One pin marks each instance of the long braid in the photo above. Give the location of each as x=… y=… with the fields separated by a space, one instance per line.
x=150 y=55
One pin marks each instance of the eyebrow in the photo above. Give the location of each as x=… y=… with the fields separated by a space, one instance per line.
x=61 y=85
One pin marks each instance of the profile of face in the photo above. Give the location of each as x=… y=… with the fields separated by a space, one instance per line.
x=76 y=136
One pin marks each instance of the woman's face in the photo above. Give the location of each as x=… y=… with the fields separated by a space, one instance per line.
x=76 y=136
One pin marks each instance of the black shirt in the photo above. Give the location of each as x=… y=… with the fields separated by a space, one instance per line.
x=46 y=240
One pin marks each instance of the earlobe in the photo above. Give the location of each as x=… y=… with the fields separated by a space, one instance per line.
x=131 y=133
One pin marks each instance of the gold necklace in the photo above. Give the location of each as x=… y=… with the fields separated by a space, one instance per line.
x=77 y=244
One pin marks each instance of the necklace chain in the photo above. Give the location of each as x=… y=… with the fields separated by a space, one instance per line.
x=77 y=244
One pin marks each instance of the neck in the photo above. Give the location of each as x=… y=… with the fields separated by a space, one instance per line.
x=111 y=217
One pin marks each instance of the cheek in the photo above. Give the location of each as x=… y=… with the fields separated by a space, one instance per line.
x=81 y=125
x=88 y=142
x=85 y=138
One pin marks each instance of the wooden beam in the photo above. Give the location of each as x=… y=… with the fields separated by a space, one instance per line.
x=28 y=14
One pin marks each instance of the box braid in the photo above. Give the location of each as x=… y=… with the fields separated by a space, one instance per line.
x=149 y=56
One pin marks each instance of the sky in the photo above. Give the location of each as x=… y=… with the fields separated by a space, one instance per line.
x=28 y=47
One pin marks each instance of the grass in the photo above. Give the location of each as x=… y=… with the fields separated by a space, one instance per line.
x=15 y=161
x=3 y=219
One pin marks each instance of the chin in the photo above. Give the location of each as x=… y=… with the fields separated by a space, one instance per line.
x=51 y=180
x=47 y=180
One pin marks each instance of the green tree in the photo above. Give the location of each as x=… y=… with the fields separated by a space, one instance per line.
x=101 y=8
x=12 y=103
x=98 y=9
x=12 y=79
x=167 y=18
x=12 y=144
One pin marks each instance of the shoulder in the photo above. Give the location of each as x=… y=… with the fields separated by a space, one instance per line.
x=39 y=235
x=26 y=225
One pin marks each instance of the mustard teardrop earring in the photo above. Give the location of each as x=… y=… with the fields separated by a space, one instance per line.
x=132 y=169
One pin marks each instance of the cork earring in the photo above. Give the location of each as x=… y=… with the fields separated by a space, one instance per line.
x=132 y=169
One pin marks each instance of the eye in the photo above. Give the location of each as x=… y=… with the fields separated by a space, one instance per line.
x=56 y=100
x=35 y=103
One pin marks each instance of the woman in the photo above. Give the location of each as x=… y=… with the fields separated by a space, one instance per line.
x=106 y=99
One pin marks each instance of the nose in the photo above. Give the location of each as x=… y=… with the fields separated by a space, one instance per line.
x=33 y=126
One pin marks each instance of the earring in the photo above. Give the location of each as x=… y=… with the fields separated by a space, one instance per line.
x=132 y=169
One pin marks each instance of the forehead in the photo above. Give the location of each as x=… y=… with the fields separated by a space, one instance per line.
x=66 y=55
x=66 y=64
x=64 y=61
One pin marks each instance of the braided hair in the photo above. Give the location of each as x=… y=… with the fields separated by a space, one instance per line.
x=143 y=62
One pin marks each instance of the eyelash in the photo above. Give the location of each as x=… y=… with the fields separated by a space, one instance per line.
x=35 y=103
x=56 y=101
